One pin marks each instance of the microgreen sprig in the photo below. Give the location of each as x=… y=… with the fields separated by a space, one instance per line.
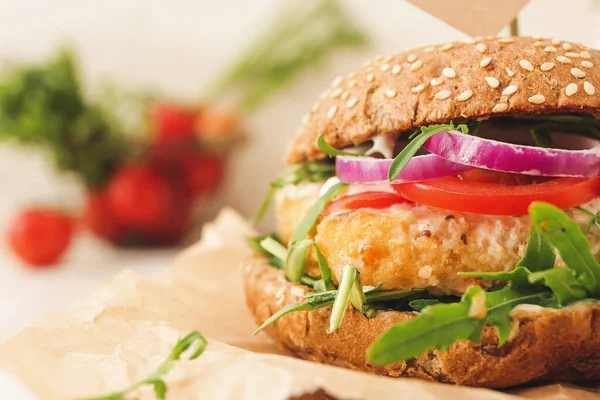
x=155 y=378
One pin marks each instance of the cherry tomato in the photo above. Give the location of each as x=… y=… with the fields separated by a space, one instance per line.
x=99 y=218
x=202 y=172
x=489 y=196
x=138 y=197
x=364 y=200
x=40 y=237
x=173 y=122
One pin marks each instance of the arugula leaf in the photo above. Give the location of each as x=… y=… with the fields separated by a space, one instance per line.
x=342 y=297
x=518 y=277
x=541 y=136
x=563 y=283
x=411 y=149
x=437 y=327
x=293 y=175
x=194 y=338
x=564 y=234
x=332 y=151
x=314 y=212
x=539 y=254
x=290 y=308
x=295 y=260
x=420 y=304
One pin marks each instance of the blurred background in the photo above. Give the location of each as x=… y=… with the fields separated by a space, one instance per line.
x=125 y=124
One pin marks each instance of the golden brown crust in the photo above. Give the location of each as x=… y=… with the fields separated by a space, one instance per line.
x=546 y=344
x=437 y=84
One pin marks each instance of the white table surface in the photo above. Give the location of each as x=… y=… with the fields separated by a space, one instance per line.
x=26 y=294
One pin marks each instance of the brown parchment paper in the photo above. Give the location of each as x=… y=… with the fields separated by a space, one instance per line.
x=125 y=328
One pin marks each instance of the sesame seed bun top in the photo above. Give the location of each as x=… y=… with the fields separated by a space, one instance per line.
x=436 y=84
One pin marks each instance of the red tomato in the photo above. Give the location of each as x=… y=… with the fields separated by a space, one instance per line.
x=489 y=196
x=202 y=172
x=364 y=200
x=138 y=197
x=40 y=237
x=99 y=218
x=173 y=122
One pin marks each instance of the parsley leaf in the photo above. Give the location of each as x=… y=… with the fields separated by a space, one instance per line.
x=411 y=149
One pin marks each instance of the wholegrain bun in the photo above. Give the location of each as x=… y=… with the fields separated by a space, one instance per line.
x=545 y=343
x=454 y=81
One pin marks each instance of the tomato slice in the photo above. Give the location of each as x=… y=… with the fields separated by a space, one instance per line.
x=486 y=195
x=364 y=200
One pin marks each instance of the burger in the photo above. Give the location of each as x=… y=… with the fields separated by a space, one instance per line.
x=439 y=218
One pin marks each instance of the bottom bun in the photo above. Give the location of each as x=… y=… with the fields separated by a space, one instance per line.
x=545 y=344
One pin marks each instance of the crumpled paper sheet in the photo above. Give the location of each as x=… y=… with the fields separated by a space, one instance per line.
x=125 y=328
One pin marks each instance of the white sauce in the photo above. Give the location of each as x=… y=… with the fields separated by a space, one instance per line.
x=384 y=145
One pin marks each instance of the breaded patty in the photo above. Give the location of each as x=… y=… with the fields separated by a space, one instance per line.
x=415 y=246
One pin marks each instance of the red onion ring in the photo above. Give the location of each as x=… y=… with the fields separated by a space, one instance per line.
x=371 y=170
x=478 y=152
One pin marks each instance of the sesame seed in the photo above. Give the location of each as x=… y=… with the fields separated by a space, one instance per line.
x=537 y=99
x=550 y=49
x=436 y=82
x=331 y=112
x=589 y=88
x=530 y=51
x=506 y=40
x=477 y=39
x=416 y=65
x=379 y=58
x=510 y=72
x=385 y=67
x=585 y=54
x=418 y=88
x=336 y=93
x=485 y=62
x=563 y=59
x=443 y=95
x=510 y=90
x=547 y=66
x=337 y=81
x=396 y=69
x=449 y=73
x=526 y=65
x=489 y=38
x=315 y=107
x=567 y=46
x=586 y=64
x=481 y=47
x=539 y=44
x=572 y=55
x=577 y=73
x=388 y=58
x=571 y=89
x=370 y=78
x=390 y=93
x=446 y=47
x=466 y=95
x=345 y=95
x=500 y=107
x=352 y=102
x=492 y=82
x=369 y=69
x=351 y=84
x=411 y=58
x=555 y=42
x=429 y=49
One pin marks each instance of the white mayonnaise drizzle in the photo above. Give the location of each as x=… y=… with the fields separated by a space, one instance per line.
x=383 y=144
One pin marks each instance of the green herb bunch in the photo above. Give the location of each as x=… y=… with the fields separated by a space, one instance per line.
x=44 y=105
